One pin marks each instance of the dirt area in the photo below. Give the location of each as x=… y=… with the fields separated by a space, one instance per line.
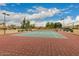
x=8 y=31
x=76 y=31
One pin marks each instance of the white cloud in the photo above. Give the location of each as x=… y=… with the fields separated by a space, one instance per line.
x=32 y=22
x=43 y=12
x=68 y=21
x=12 y=4
x=12 y=18
x=43 y=23
x=40 y=24
x=2 y=4
x=68 y=8
x=39 y=9
x=30 y=10
x=77 y=20
x=16 y=18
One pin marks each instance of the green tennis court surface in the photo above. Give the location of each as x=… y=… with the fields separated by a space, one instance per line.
x=46 y=34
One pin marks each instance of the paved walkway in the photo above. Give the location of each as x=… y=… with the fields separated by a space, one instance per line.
x=31 y=46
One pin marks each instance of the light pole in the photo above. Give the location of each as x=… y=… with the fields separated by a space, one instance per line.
x=4 y=22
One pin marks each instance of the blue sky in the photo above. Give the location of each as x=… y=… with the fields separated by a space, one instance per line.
x=42 y=11
x=23 y=7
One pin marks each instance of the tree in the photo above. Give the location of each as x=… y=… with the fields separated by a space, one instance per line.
x=50 y=25
x=13 y=26
x=47 y=25
x=27 y=26
x=58 y=25
x=23 y=24
x=32 y=25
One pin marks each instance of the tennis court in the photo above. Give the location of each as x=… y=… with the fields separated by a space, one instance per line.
x=41 y=33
